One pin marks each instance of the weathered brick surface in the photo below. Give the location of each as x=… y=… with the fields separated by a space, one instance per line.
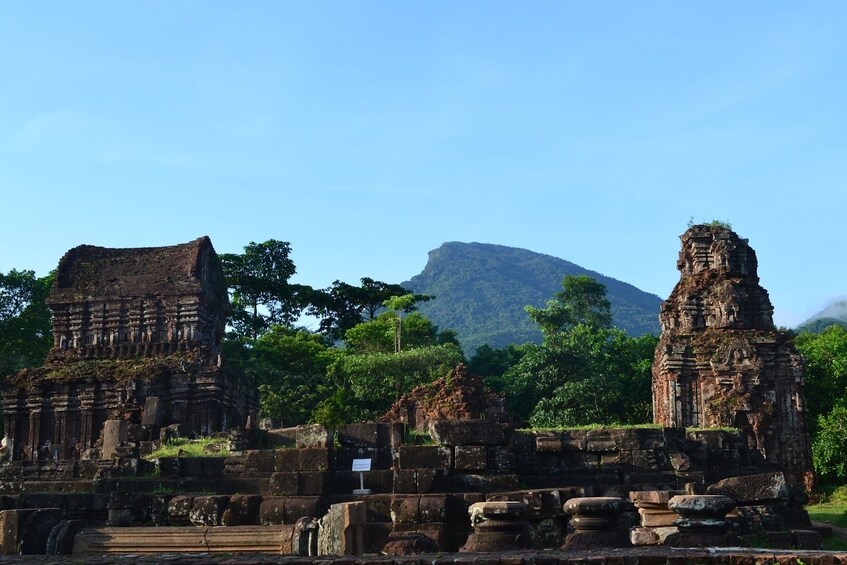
x=470 y=458
x=424 y=457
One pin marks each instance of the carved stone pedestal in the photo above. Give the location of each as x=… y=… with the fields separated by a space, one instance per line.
x=497 y=526
x=595 y=523
x=702 y=521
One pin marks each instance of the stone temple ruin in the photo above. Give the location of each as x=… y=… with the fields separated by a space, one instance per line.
x=136 y=338
x=721 y=361
x=136 y=355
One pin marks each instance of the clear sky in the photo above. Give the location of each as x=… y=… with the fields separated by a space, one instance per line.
x=368 y=133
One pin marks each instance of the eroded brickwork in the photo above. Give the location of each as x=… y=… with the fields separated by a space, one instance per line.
x=721 y=361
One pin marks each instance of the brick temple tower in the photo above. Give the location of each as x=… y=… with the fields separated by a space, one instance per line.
x=721 y=361
x=136 y=336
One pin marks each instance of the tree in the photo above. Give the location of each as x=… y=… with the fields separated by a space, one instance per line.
x=291 y=368
x=826 y=371
x=25 y=327
x=261 y=295
x=829 y=448
x=585 y=371
x=379 y=335
x=377 y=380
x=582 y=300
x=343 y=306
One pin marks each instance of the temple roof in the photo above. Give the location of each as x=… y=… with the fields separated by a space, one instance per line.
x=88 y=271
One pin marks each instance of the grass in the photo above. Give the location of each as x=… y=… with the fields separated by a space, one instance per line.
x=830 y=507
x=203 y=447
x=589 y=427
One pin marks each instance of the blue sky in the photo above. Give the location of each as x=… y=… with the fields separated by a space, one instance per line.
x=368 y=133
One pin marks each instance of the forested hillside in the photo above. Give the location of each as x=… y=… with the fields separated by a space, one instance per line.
x=833 y=315
x=481 y=291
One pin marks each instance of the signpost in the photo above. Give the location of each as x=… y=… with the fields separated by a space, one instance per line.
x=361 y=465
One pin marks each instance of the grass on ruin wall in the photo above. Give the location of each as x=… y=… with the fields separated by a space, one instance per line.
x=203 y=447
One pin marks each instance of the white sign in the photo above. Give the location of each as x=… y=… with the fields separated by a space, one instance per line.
x=361 y=464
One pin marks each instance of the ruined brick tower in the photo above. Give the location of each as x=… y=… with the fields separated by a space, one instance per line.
x=136 y=337
x=720 y=360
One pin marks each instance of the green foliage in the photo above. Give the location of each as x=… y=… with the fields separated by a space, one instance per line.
x=820 y=325
x=584 y=376
x=826 y=371
x=378 y=335
x=25 y=326
x=829 y=448
x=343 y=306
x=713 y=224
x=582 y=301
x=290 y=367
x=261 y=295
x=482 y=290
x=491 y=364
x=585 y=372
x=378 y=379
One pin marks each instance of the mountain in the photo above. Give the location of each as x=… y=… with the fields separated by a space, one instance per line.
x=481 y=290
x=834 y=314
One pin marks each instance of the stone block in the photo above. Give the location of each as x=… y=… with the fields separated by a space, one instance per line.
x=540 y=503
x=179 y=509
x=11 y=525
x=405 y=509
x=549 y=442
x=281 y=437
x=434 y=508
x=405 y=481
x=284 y=484
x=114 y=435
x=523 y=440
x=153 y=412
x=424 y=457
x=580 y=460
x=207 y=510
x=574 y=440
x=433 y=481
x=806 y=539
x=467 y=432
x=485 y=483
x=359 y=435
x=470 y=457
x=313 y=435
x=391 y=435
x=259 y=461
x=272 y=510
x=238 y=539
x=313 y=483
x=297 y=507
x=344 y=456
x=650 y=438
x=243 y=510
x=651 y=536
x=314 y=459
x=501 y=460
x=620 y=460
x=286 y=460
x=341 y=530
x=379 y=507
x=656 y=518
x=752 y=489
